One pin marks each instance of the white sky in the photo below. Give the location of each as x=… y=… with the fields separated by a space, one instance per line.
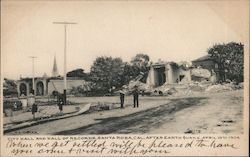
x=166 y=30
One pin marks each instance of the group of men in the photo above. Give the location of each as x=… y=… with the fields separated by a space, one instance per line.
x=122 y=92
x=135 y=93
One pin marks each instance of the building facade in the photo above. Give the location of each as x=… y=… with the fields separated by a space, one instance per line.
x=167 y=72
x=45 y=85
x=202 y=69
x=24 y=86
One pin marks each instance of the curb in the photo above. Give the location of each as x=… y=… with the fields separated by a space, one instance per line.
x=32 y=123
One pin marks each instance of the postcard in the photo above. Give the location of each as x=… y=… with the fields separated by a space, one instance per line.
x=124 y=78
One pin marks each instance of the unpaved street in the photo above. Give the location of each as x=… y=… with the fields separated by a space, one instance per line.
x=199 y=113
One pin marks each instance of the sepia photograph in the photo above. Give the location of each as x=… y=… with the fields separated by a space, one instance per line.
x=77 y=68
x=124 y=67
x=124 y=78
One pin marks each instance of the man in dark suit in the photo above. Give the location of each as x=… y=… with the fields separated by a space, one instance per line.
x=122 y=95
x=60 y=102
x=34 y=110
x=136 y=97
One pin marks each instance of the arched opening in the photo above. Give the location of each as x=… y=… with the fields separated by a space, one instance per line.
x=23 y=89
x=39 y=89
x=161 y=76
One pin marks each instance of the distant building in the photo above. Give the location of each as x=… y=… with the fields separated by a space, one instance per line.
x=46 y=85
x=205 y=62
x=57 y=84
x=24 y=86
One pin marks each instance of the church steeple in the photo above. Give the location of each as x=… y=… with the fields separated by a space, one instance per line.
x=55 y=70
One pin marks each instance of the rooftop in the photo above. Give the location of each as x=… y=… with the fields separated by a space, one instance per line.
x=203 y=58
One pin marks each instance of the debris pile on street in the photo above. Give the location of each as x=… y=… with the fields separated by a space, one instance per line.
x=219 y=88
x=103 y=106
x=48 y=110
x=189 y=88
x=165 y=89
x=200 y=84
x=141 y=86
x=240 y=85
x=200 y=72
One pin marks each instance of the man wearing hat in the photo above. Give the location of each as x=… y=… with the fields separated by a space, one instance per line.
x=136 y=97
x=122 y=95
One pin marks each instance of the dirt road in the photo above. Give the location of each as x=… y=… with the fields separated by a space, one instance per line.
x=201 y=113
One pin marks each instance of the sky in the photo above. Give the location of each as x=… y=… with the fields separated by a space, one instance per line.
x=166 y=30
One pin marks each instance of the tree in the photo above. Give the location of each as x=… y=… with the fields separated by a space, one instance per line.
x=230 y=60
x=106 y=73
x=140 y=60
x=129 y=73
x=140 y=63
x=78 y=73
x=9 y=87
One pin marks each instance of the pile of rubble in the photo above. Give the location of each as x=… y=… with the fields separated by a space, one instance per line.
x=224 y=87
x=200 y=72
x=219 y=88
x=177 y=89
x=141 y=86
x=165 y=89
x=100 y=106
x=191 y=88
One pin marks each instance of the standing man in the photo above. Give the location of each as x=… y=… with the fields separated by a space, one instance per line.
x=136 y=97
x=60 y=102
x=122 y=95
x=34 y=110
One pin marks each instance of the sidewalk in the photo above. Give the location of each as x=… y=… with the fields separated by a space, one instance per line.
x=43 y=111
x=44 y=114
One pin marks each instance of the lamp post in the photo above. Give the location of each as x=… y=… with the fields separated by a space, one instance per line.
x=65 y=57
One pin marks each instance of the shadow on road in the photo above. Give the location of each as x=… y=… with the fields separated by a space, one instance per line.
x=136 y=123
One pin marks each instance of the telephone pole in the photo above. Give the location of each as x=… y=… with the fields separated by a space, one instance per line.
x=65 y=24
x=33 y=74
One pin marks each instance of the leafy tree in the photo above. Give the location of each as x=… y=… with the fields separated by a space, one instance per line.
x=106 y=73
x=129 y=73
x=140 y=63
x=230 y=60
x=10 y=87
x=140 y=60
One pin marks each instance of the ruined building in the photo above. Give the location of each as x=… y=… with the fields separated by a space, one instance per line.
x=205 y=62
x=167 y=72
x=203 y=69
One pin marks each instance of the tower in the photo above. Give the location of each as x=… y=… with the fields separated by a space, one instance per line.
x=55 y=70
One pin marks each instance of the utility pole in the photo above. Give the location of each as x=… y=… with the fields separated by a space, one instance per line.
x=33 y=74
x=65 y=57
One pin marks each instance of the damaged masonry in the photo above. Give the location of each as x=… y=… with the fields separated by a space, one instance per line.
x=168 y=78
x=170 y=72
